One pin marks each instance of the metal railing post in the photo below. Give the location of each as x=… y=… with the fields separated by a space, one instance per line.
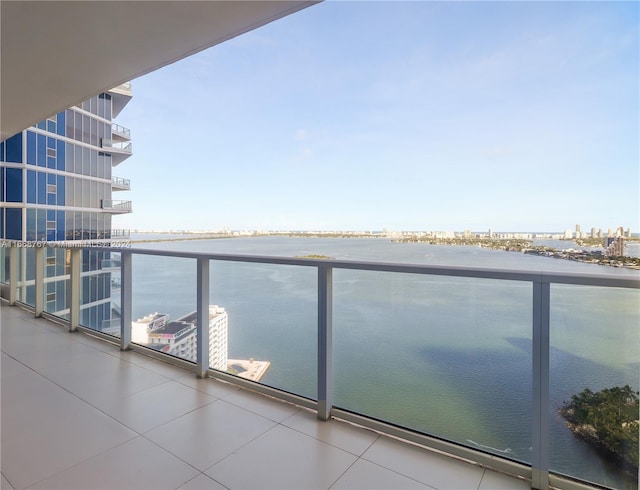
x=125 y=300
x=202 y=337
x=325 y=342
x=76 y=289
x=13 y=275
x=540 y=395
x=39 y=286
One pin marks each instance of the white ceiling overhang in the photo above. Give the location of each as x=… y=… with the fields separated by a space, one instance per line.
x=55 y=54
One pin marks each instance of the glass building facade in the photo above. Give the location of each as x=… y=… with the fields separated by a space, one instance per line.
x=56 y=185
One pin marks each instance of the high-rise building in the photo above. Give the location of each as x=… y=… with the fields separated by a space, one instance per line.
x=179 y=337
x=56 y=186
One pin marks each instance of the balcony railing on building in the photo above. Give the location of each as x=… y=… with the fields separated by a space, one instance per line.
x=116 y=207
x=119 y=150
x=120 y=184
x=120 y=233
x=120 y=132
x=535 y=305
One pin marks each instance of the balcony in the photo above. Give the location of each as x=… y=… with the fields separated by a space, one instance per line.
x=120 y=133
x=120 y=233
x=120 y=184
x=119 y=150
x=294 y=438
x=120 y=96
x=116 y=207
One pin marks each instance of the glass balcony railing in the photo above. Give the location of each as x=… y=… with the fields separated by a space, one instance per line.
x=116 y=207
x=120 y=183
x=117 y=146
x=478 y=363
x=121 y=131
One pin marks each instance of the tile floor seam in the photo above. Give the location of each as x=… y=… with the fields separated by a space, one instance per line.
x=275 y=400
x=77 y=463
x=327 y=442
x=398 y=473
x=180 y=416
x=243 y=446
x=343 y=473
x=484 y=472
x=8 y=481
x=206 y=476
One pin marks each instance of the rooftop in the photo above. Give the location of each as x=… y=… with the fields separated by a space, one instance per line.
x=114 y=419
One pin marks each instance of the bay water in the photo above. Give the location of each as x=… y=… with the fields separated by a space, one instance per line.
x=446 y=356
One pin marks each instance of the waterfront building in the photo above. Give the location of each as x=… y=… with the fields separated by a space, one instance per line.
x=56 y=186
x=614 y=246
x=179 y=337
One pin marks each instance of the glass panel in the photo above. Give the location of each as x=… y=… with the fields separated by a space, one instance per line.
x=271 y=312
x=595 y=345
x=13 y=147
x=164 y=292
x=13 y=179
x=31 y=148
x=42 y=151
x=449 y=357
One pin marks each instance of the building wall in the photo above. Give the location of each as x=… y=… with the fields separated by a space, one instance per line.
x=54 y=179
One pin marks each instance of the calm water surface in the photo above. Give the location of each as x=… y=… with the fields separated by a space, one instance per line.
x=446 y=356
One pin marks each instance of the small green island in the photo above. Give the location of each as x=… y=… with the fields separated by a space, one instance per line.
x=607 y=419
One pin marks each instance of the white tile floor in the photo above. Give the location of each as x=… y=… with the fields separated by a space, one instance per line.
x=79 y=414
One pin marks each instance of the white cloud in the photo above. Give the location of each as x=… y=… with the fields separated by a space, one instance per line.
x=301 y=135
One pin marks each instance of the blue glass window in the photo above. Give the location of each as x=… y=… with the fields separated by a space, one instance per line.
x=2 y=151
x=51 y=142
x=42 y=125
x=13 y=180
x=2 y=194
x=60 y=224
x=13 y=224
x=31 y=225
x=51 y=235
x=42 y=224
x=51 y=126
x=31 y=148
x=32 y=187
x=61 y=162
x=51 y=215
x=42 y=151
x=42 y=188
x=61 y=190
x=61 y=123
x=13 y=148
x=51 y=162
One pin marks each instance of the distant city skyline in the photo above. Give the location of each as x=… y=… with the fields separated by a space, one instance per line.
x=516 y=116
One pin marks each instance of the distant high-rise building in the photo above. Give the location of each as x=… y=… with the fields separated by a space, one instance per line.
x=593 y=233
x=614 y=246
x=628 y=235
x=56 y=186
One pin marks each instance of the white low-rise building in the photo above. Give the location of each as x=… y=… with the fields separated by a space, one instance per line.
x=179 y=337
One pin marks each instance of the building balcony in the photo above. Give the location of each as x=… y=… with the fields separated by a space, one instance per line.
x=120 y=97
x=120 y=133
x=120 y=233
x=143 y=419
x=120 y=184
x=116 y=207
x=119 y=150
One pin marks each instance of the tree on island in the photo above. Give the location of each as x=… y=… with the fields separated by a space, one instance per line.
x=608 y=419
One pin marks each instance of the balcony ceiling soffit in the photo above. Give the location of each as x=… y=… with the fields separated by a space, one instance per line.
x=57 y=54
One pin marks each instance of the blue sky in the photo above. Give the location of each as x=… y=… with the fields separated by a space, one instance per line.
x=397 y=115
